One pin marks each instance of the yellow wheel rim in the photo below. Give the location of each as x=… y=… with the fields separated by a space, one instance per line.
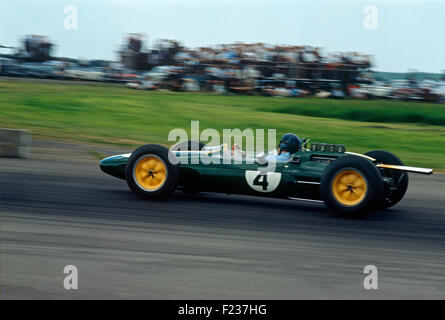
x=150 y=172
x=349 y=187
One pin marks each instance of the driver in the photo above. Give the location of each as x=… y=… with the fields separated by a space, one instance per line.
x=289 y=144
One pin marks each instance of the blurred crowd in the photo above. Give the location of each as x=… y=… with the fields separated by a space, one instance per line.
x=245 y=68
x=262 y=60
x=237 y=68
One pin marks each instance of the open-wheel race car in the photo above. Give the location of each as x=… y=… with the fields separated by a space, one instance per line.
x=349 y=183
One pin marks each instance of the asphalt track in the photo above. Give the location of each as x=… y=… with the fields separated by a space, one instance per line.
x=59 y=209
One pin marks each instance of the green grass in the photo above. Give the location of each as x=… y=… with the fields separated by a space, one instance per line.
x=367 y=111
x=115 y=115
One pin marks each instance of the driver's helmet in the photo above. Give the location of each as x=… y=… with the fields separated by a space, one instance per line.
x=289 y=142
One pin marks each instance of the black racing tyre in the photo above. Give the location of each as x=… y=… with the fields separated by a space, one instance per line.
x=188 y=146
x=351 y=186
x=150 y=174
x=400 y=178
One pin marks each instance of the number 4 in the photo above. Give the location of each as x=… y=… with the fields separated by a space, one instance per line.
x=261 y=182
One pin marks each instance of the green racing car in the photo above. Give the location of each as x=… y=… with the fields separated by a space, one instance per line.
x=351 y=184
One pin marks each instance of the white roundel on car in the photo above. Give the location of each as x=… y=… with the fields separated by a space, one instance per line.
x=263 y=181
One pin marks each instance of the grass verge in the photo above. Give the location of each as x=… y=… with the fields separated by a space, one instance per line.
x=115 y=115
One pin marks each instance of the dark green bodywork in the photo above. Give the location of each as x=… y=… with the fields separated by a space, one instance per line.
x=300 y=177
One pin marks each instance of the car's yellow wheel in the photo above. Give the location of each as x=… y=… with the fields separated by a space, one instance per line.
x=349 y=187
x=150 y=172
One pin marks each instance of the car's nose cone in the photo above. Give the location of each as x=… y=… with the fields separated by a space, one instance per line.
x=114 y=165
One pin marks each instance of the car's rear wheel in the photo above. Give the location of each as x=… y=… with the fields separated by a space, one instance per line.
x=395 y=192
x=150 y=174
x=351 y=186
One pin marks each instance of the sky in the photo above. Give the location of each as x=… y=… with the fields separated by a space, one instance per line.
x=410 y=34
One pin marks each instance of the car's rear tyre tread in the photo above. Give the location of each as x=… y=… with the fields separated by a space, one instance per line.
x=387 y=157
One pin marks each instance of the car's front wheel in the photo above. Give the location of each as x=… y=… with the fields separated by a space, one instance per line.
x=150 y=174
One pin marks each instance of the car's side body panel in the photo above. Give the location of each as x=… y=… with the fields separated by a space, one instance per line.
x=297 y=178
